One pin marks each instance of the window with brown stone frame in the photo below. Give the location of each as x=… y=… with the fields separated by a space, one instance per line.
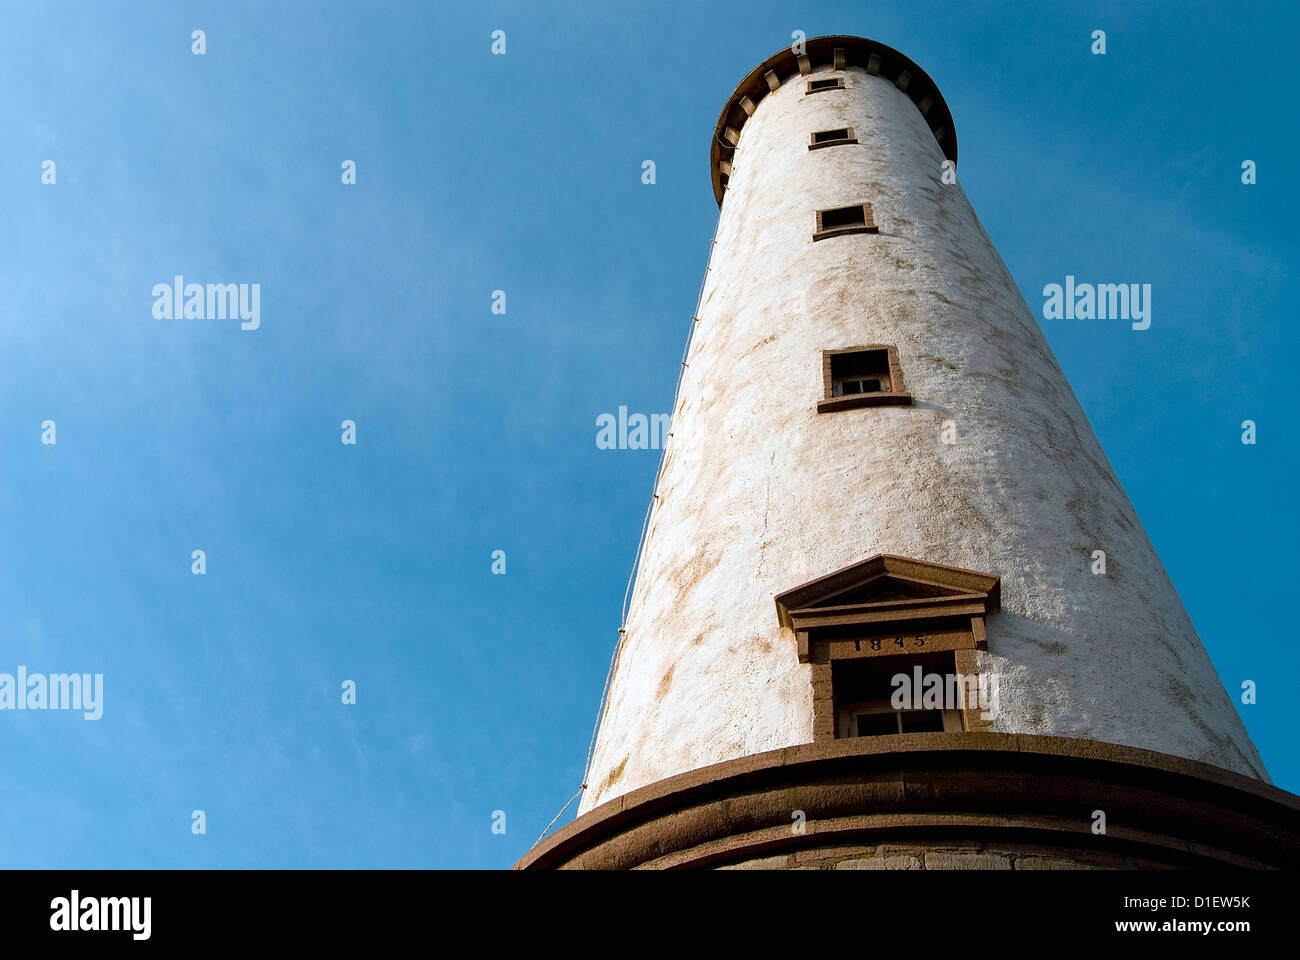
x=891 y=644
x=831 y=138
x=882 y=695
x=830 y=83
x=862 y=377
x=838 y=221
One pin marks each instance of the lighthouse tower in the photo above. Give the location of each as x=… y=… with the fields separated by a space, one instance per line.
x=893 y=609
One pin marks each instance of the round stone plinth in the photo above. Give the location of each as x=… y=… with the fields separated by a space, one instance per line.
x=939 y=801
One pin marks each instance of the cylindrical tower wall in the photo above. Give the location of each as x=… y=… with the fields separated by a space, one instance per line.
x=760 y=492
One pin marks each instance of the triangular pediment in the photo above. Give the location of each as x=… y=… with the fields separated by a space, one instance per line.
x=885 y=581
x=883 y=588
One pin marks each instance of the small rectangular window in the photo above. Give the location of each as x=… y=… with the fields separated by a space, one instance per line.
x=831 y=138
x=838 y=221
x=861 y=371
x=832 y=83
x=864 y=691
x=844 y=217
x=860 y=377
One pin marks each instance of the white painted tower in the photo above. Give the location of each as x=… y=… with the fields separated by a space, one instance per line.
x=869 y=382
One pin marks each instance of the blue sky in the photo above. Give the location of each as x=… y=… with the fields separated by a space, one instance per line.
x=476 y=431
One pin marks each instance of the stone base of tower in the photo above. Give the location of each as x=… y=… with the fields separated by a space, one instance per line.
x=939 y=801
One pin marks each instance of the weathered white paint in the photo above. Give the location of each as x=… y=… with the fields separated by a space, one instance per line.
x=761 y=493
